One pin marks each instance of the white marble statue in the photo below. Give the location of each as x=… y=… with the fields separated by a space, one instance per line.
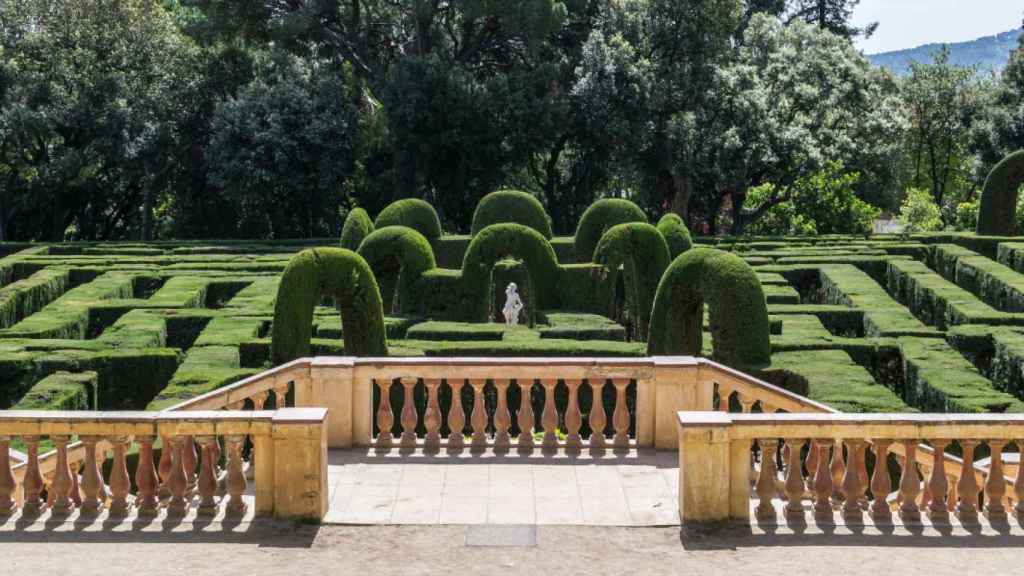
x=513 y=305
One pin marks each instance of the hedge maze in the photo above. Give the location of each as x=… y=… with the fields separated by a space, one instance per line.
x=882 y=324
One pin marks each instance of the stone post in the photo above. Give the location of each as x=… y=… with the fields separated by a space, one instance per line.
x=300 y=463
x=675 y=389
x=331 y=387
x=708 y=487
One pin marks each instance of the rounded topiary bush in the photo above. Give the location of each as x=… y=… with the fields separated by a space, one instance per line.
x=997 y=215
x=642 y=253
x=676 y=234
x=357 y=226
x=309 y=276
x=598 y=218
x=398 y=256
x=413 y=213
x=736 y=306
x=501 y=241
x=511 y=206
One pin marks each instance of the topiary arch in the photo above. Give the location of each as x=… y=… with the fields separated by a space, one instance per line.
x=736 y=305
x=398 y=257
x=512 y=206
x=309 y=276
x=997 y=215
x=357 y=226
x=643 y=254
x=676 y=234
x=599 y=217
x=414 y=213
x=501 y=241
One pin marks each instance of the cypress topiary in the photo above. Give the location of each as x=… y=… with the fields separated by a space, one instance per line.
x=736 y=305
x=676 y=234
x=398 y=257
x=997 y=215
x=598 y=218
x=357 y=226
x=643 y=254
x=512 y=206
x=310 y=275
x=414 y=213
x=501 y=241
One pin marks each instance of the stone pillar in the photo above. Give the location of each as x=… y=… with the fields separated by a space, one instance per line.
x=705 y=468
x=300 y=463
x=675 y=389
x=331 y=388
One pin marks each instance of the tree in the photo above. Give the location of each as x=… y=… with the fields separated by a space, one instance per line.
x=831 y=15
x=1000 y=130
x=942 y=102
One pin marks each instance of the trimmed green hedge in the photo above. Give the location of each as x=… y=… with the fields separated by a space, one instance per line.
x=997 y=215
x=598 y=218
x=736 y=305
x=939 y=302
x=883 y=316
x=62 y=391
x=312 y=274
x=642 y=253
x=834 y=379
x=511 y=206
x=676 y=234
x=413 y=213
x=23 y=298
x=357 y=226
x=938 y=379
x=501 y=241
x=398 y=257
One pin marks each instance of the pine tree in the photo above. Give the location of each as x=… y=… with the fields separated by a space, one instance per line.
x=831 y=15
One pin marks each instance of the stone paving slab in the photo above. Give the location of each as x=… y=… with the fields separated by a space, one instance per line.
x=634 y=488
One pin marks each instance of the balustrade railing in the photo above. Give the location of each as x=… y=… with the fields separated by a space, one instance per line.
x=817 y=465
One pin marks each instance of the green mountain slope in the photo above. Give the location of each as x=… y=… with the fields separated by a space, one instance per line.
x=988 y=53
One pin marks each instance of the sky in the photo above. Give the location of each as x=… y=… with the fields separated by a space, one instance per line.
x=911 y=23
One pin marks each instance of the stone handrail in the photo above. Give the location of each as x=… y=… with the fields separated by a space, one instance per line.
x=715 y=465
x=289 y=456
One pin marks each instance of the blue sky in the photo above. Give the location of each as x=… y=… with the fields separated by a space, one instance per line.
x=910 y=23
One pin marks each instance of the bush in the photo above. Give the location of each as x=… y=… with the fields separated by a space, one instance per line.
x=997 y=214
x=676 y=234
x=919 y=212
x=501 y=241
x=342 y=274
x=398 y=257
x=413 y=213
x=643 y=254
x=513 y=206
x=736 y=305
x=598 y=218
x=357 y=226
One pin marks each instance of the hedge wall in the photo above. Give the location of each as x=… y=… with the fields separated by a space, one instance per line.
x=398 y=257
x=511 y=206
x=676 y=234
x=598 y=218
x=997 y=215
x=413 y=213
x=357 y=226
x=642 y=253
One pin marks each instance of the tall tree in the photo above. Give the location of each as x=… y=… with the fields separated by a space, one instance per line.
x=1001 y=129
x=832 y=15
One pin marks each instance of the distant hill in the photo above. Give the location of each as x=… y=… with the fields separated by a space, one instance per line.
x=988 y=53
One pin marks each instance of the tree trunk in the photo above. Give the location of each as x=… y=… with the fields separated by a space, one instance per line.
x=147 y=214
x=738 y=221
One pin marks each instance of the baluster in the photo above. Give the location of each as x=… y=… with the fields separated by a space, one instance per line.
x=236 y=479
x=281 y=394
x=862 y=473
x=967 y=487
x=456 y=416
x=794 y=479
x=165 y=466
x=573 y=417
x=822 y=481
x=61 y=486
x=767 y=478
x=853 y=489
x=385 y=418
x=177 y=483
x=191 y=463
x=1018 y=484
x=207 y=482
x=75 y=492
x=995 y=484
x=812 y=467
x=8 y=484
x=32 y=483
x=432 y=417
x=838 y=469
x=746 y=402
x=598 y=419
x=881 y=485
x=478 y=418
x=502 y=417
x=146 y=478
x=723 y=398
x=938 y=485
x=910 y=483
x=525 y=418
x=120 y=482
x=549 y=418
x=408 y=412
x=620 y=418
x=91 y=478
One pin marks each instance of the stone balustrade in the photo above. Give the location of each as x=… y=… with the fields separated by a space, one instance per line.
x=288 y=454
x=818 y=465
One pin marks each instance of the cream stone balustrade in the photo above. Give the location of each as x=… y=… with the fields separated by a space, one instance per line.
x=290 y=470
x=821 y=477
